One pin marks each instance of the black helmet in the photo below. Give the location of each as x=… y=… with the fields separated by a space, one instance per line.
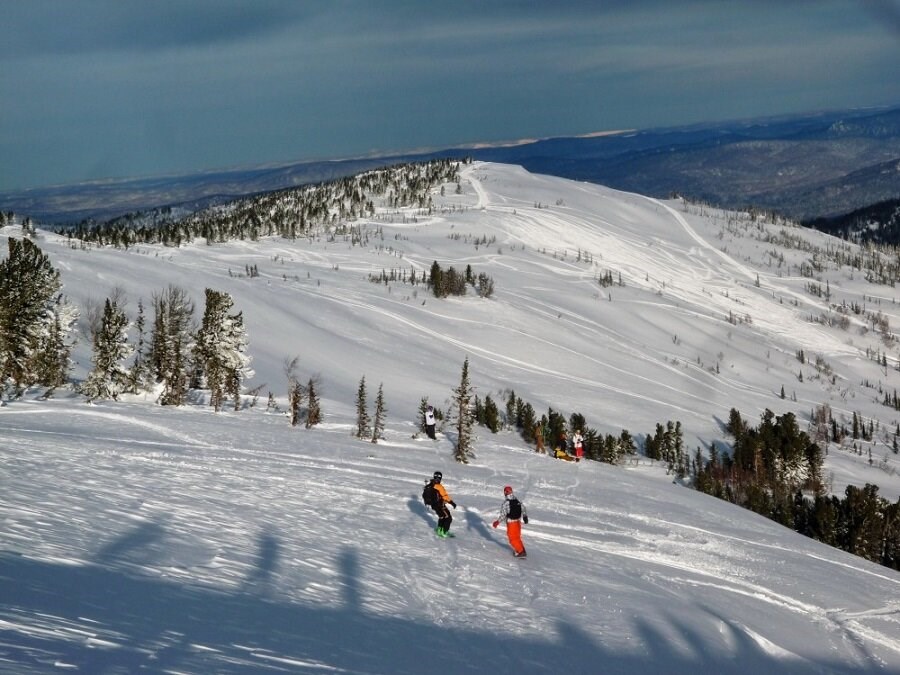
x=437 y=476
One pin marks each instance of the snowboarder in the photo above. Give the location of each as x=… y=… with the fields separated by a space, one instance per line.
x=512 y=512
x=429 y=422
x=578 y=441
x=439 y=506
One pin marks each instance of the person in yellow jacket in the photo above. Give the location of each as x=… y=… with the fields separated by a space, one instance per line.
x=439 y=506
x=512 y=512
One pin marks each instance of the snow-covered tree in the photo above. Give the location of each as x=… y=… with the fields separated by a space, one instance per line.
x=463 y=416
x=171 y=343
x=35 y=319
x=220 y=349
x=109 y=377
x=139 y=373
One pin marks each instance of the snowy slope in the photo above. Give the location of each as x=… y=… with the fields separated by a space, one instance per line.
x=137 y=537
x=178 y=540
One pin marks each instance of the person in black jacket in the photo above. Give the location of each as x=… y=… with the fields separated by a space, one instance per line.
x=439 y=506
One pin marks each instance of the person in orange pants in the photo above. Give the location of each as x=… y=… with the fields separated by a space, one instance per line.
x=512 y=512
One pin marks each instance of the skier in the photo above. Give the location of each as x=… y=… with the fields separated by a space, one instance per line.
x=512 y=512
x=439 y=506
x=578 y=441
x=429 y=422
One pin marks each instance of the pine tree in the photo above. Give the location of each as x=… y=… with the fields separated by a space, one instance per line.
x=436 y=280
x=362 y=414
x=34 y=319
x=491 y=415
x=220 y=349
x=295 y=401
x=171 y=343
x=528 y=423
x=51 y=356
x=109 y=378
x=138 y=374
x=464 y=418
x=380 y=412
x=313 y=411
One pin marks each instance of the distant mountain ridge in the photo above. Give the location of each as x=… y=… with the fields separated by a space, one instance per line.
x=809 y=166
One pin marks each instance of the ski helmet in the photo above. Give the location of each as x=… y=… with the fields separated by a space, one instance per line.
x=437 y=476
x=507 y=490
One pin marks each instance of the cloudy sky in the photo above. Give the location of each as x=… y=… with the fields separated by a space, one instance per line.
x=120 y=88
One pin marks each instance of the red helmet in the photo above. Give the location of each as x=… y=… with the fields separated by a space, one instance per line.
x=507 y=490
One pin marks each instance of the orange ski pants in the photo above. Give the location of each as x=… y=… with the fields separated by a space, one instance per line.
x=514 y=534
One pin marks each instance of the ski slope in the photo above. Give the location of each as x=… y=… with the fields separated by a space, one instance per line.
x=136 y=537
x=143 y=538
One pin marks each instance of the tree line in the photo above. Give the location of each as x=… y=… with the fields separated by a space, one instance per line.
x=775 y=470
x=290 y=213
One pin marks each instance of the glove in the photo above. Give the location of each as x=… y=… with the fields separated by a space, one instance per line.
x=453 y=503
x=495 y=523
x=525 y=519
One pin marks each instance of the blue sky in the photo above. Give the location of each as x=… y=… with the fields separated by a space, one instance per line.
x=120 y=88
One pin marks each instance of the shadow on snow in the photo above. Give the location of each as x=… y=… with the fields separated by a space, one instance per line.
x=103 y=617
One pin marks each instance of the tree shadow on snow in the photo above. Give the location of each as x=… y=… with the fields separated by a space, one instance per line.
x=106 y=617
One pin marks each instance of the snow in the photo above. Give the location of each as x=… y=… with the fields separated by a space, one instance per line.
x=135 y=537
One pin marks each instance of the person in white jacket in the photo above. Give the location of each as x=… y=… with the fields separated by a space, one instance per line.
x=429 y=422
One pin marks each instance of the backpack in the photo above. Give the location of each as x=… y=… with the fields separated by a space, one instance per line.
x=515 y=509
x=429 y=494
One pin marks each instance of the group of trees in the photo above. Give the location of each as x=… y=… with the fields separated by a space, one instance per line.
x=445 y=282
x=36 y=325
x=553 y=428
x=775 y=469
x=291 y=213
x=367 y=426
x=179 y=355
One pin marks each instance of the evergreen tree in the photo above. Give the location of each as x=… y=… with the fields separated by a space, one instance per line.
x=34 y=319
x=51 y=356
x=314 y=411
x=626 y=443
x=528 y=423
x=109 y=377
x=511 y=408
x=171 y=343
x=736 y=424
x=220 y=349
x=295 y=400
x=235 y=357
x=491 y=415
x=463 y=416
x=380 y=412
x=436 y=280
x=362 y=414
x=138 y=374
